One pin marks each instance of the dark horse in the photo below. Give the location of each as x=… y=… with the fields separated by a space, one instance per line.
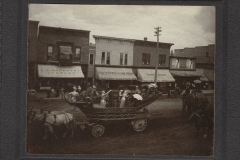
x=199 y=110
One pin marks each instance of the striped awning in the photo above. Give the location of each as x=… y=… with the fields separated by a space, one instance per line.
x=53 y=71
x=109 y=73
x=148 y=75
x=185 y=73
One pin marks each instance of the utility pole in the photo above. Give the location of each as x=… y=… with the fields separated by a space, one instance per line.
x=158 y=29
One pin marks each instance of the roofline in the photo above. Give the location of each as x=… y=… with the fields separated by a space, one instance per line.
x=196 y=47
x=155 y=42
x=33 y=21
x=125 y=39
x=66 y=29
x=115 y=38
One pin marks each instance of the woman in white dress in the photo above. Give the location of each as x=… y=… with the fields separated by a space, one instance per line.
x=72 y=96
x=103 y=98
x=123 y=99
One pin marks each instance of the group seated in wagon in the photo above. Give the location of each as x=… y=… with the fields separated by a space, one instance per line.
x=115 y=98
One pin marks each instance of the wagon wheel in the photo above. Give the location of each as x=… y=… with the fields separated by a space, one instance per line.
x=139 y=124
x=98 y=130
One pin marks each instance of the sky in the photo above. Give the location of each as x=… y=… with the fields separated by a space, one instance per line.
x=184 y=26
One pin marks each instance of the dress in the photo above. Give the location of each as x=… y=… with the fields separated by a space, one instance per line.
x=123 y=100
x=74 y=96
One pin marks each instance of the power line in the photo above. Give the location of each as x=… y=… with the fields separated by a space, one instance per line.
x=172 y=24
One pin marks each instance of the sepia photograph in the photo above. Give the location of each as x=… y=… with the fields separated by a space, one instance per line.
x=121 y=80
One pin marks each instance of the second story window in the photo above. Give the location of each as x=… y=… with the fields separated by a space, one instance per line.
x=175 y=63
x=65 y=53
x=78 y=52
x=126 y=59
x=108 y=58
x=50 y=51
x=91 y=59
x=189 y=64
x=121 y=58
x=103 y=58
x=145 y=59
x=162 y=60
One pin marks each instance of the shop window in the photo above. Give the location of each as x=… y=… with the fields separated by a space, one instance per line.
x=183 y=63
x=103 y=58
x=91 y=59
x=126 y=59
x=121 y=58
x=50 y=51
x=162 y=60
x=78 y=52
x=108 y=58
x=189 y=64
x=145 y=59
x=175 y=63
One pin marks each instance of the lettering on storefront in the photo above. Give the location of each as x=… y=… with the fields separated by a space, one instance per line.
x=59 y=71
x=119 y=73
x=152 y=74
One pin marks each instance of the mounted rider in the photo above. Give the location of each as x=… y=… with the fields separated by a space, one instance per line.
x=184 y=98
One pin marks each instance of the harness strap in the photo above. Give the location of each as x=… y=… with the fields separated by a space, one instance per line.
x=55 y=117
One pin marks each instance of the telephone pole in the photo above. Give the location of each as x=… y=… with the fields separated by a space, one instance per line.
x=158 y=30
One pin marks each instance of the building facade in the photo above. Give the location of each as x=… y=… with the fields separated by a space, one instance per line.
x=113 y=61
x=91 y=62
x=62 y=56
x=205 y=57
x=183 y=69
x=198 y=51
x=145 y=58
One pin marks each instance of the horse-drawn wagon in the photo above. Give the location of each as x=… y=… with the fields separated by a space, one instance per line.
x=134 y=112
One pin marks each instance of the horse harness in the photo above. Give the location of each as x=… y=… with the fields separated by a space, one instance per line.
x=45 y=117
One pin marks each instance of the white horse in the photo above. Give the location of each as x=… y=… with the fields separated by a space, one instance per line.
x=53 y=118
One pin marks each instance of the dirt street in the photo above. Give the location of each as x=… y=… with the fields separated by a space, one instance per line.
x=166 y=134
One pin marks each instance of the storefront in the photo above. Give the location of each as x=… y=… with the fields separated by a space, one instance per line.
x=50 y=75
x=182 y=77
x=205 y=81
x=112 y=78
x=164 y=78
x=210 y=74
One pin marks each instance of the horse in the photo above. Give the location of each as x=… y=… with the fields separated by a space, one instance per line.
x=53 y=118
x=192 y=101
x=203 y=117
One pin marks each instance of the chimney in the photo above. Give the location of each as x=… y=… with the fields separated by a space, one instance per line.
x=145 y=38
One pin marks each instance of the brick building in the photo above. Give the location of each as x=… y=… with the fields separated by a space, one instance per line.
x=32 y=52
x=91 y=62
x=144 y=63
x=183 y=69
x=205 y=57
x=61 y=55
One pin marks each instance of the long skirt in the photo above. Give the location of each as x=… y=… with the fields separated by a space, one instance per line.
x=123 y=100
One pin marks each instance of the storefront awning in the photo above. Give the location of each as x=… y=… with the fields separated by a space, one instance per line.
x=210 y=74
x=185 y=73
x=147 y=75
x=108 y=73
x=203 y=77
x=52 y=71
x=66 y=50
